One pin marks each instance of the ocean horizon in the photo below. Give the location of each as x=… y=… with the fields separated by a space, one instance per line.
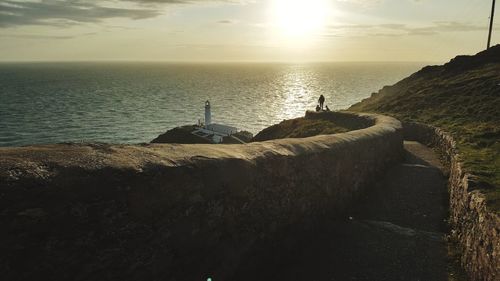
x=134 y=102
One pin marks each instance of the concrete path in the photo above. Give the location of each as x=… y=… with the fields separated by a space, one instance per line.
x=396 y=232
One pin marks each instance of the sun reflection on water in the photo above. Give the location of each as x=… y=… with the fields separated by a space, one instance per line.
x=298 y=93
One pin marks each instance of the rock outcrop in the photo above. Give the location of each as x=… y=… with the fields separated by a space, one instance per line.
x=183 y=135
x=180 y=135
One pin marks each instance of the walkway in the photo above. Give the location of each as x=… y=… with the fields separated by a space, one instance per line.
x=396 y=232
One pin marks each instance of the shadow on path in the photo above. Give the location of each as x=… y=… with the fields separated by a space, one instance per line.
x=396 y=232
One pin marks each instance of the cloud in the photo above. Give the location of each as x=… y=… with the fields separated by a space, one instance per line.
x=227 y=21
x=65 y=13
x=51 y=37
x=189 y=1
x=393 y=30
x=61 y=13
x=437 y=27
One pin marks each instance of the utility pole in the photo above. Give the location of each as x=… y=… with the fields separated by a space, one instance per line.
x=491 y=23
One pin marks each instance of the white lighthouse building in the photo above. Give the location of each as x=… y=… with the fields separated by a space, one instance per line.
x=208 y=114
x=211 y=131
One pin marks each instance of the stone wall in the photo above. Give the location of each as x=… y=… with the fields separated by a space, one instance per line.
x=171 y=211
x=475 y=228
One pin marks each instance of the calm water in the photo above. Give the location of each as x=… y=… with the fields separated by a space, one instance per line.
x=135 y=102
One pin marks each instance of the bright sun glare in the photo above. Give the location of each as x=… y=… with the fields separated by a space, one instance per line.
x=300 y=18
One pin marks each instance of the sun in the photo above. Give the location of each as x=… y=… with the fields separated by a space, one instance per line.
x=300 y=18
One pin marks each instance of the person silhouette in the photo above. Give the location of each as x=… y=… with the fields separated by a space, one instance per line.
x=326 y=107
x=321 y=101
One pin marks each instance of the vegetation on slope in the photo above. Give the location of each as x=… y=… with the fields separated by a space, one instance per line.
x=300 y=128
x=463 y=98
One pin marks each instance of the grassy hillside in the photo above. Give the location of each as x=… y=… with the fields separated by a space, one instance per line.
x=300 y=128
x=463 y=98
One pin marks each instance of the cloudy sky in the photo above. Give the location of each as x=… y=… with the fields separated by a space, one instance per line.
x=243 y=30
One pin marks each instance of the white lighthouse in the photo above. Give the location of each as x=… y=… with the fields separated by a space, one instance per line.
x=211 y=131
x=208 y=114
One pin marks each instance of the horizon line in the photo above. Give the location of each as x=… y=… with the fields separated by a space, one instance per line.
x=211 y=61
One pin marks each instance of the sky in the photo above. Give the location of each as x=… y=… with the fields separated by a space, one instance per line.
x=243 y=30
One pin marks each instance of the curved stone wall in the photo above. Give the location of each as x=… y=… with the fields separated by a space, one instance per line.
x=171 y=211
x=474 y=227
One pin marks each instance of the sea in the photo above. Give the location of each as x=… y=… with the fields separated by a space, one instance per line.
x=134 y=102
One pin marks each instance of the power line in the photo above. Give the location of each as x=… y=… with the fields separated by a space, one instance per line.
x=491 y=23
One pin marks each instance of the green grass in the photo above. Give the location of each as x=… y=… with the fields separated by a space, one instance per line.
x=300 y=128
x=461 y=97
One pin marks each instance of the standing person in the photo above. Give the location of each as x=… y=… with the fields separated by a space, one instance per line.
x=321 y=101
